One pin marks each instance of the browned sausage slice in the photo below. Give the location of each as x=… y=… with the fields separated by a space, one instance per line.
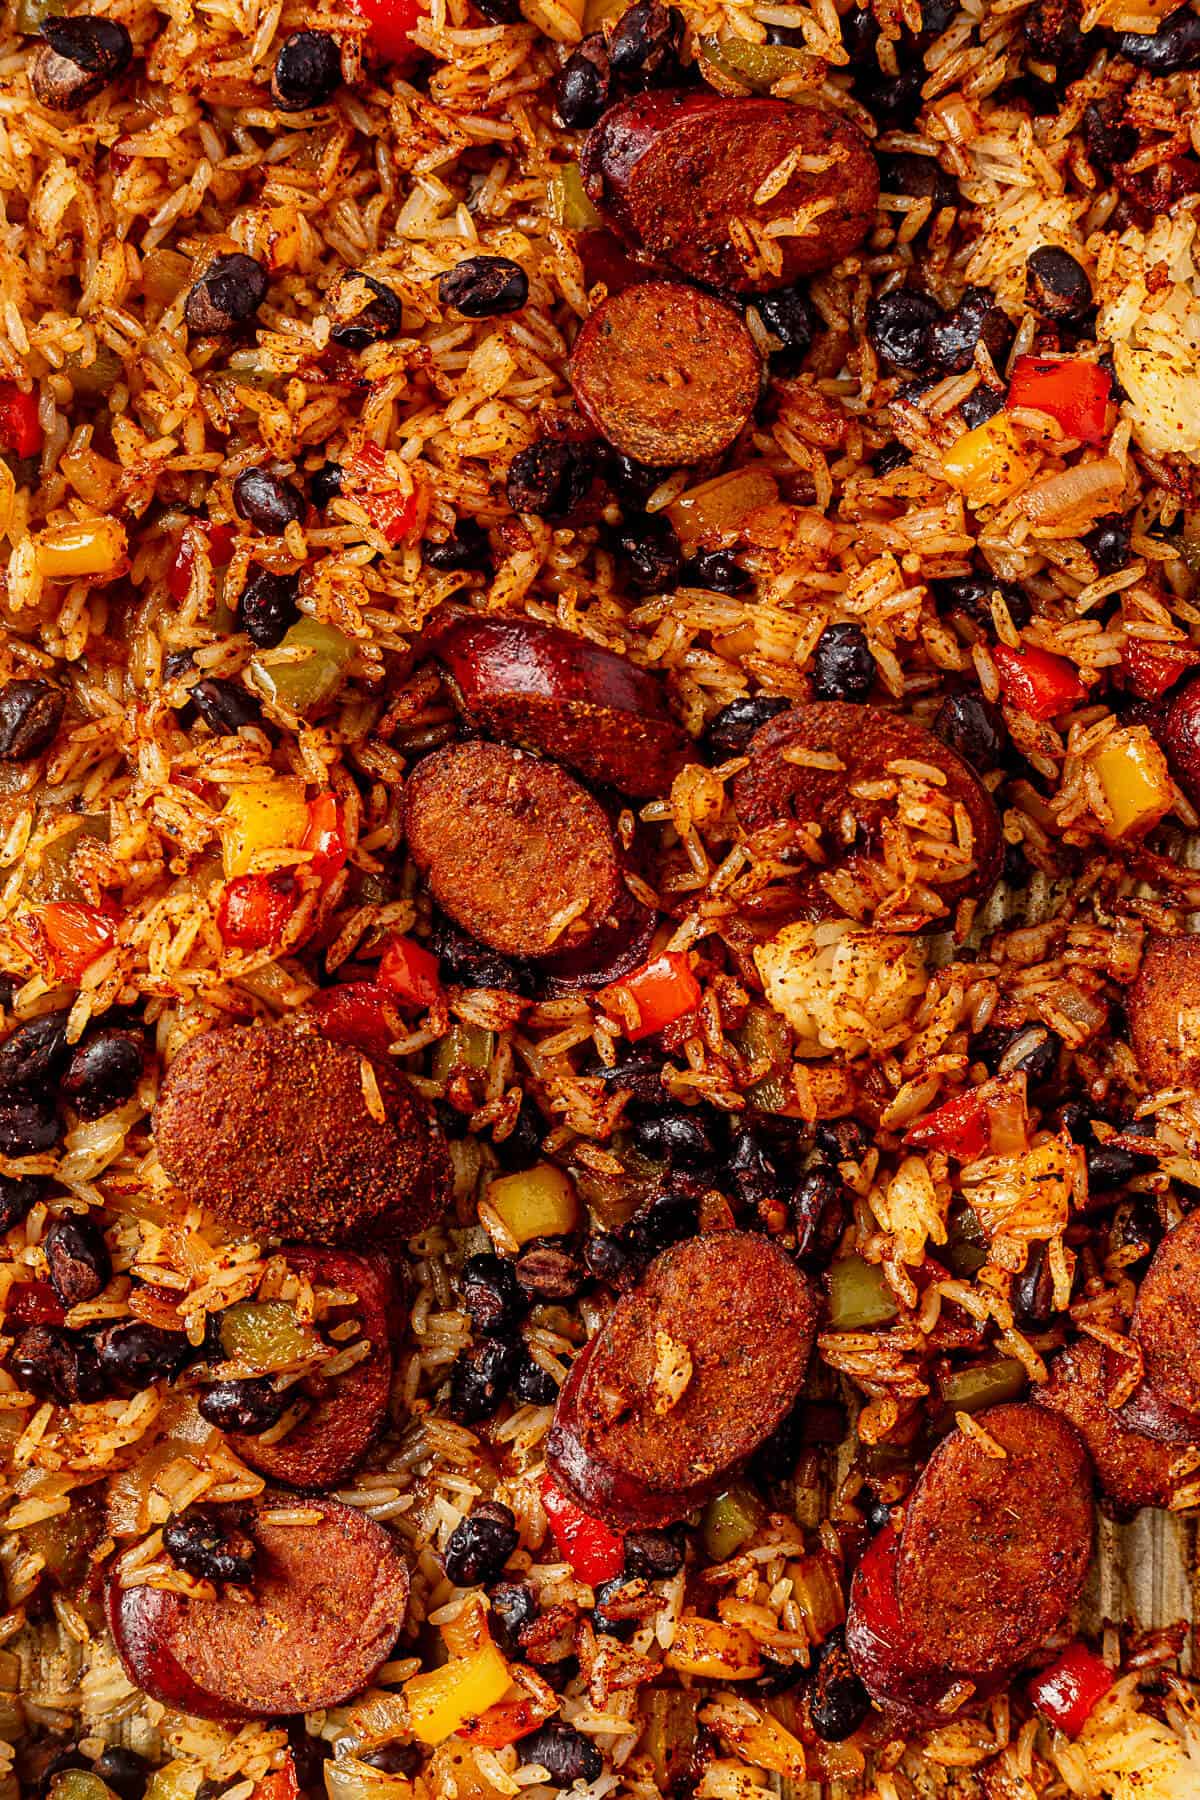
x=513 y=849
x=1166 y=1317
x=327 y=1603
x=666 y=373
x=995 y=1549
x=867 y=741
x=1134 y=1470
x=345 y=1411
x=691 y=1372
x=284 y=1132
x=1164 y=1012
x=691 y=179
x=555 y=691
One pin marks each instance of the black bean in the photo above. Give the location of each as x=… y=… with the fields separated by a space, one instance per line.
x=325 y=484
x=251 y=1406
x=1109 y=140
x=892 y=99
x=58 y=1763
x=611 y=1624
x=1174 y=46
x=547 y=1269
x=752 y=1170
x=842 y=666
x=610 y=1261
x=790 y=316
x=935 y=17
x=464 y=959
x=641 y=1075
x=1109 y=1167
x=976 y=319
x=974 y=728
x=1135 y=1226
x=514 y=1605
x=860 y=34
x=819 y=1209
x=30 y=714
x=467 y=547
x=1052 y=32
x=79 y=57
x=531 y=1384
x=918 y=178
x=898 y=327
x=228 y=294
x=668 y=1217
x=480 y=287
x=523 y=1143
x=126 y=1773
x=717 y=570
x=653 y=1555
x=310 y=1754
x=729 y=731
x=971 y=595
x=78 y=1259
x=1108 y=544
x=677 y=1136
x=842 y=1140
x=392 y=1759
x=583 y=88
x=18 y=1193
x=1038 y=1063
x=632 y=482
x=1056 y=285
x=57 y=1364
x=838 y=1701
x=777 y=1677
x=266 y=607
x=479 y=1380
x=224 y=706
x=104 y=1071
x=207 y=1545
x=29 y=1124
x=892 y=456
x=36 y=1052
x=563 y=1752
x=492 y=1296
x=655 y=559
x=500 y=12
x=381 y=317
x=981 y=404
x=645 y=46
x=267 y=501
x=133 y=1354
x=308 y=70
x=550 y=478
x=1033 y=1290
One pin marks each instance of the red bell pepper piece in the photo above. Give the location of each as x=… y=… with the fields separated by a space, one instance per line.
x=20 y=433
x=391 y=23
x=325 y=836
x=504 y=1723
x=665 y=989
x=76 y=935
x=33 y=1303
x=253 y=911
x=1153 y=668
x=1072 y=390
x=370 y=482
x=356 y=1014
x=280 y=1784
x=960 y=1128
x=1068 y=1692
x=594 y=1551
x=1036 y=682
x=221 y=539
x=410 y=972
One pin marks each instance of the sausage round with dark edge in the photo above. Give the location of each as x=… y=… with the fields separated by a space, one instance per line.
x=345 y=1411
x=666 y=373
x=555 y=691
x=514 y=849
x=327 y=1602
x=1166 y=1316
x=1164 y=1012
x=692 y=1371
x=995 y=1548
x=691 y=179
x=1133 y=1468
x=280 y=1130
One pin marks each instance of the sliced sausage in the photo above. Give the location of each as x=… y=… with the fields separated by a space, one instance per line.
x=346 y=1411
x=690 y=179
x=1133 y=1470
x=1166 y=1316
x=867 y=741
x=995 y=1550
x=1164 y=1012
x=513 y=849
x=666 y=373
x=275 y=1130
x=691 y=1372
x=326 y=1605
x=554 y=691
x=620 y=946
x=914 y=1692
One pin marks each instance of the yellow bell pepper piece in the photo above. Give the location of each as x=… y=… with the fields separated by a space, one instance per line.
x=1133 y=773
x=441 y=1701
x=93 y=547
x=537 y=1202
x=711 y=1648
x=987 y=465
x=261 y=815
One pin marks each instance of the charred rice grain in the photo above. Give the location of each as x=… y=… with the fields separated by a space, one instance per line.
x=30 y=715
x=308 y=71
x=209 y=1547
x=227 y=295
x=79 y=58
x=267 y=606
x=480 y=287
x=77 y=1260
